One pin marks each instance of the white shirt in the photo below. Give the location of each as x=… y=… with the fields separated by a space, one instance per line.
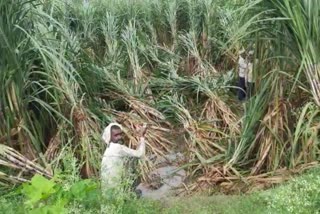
x=243 y=66
x=112 y=166
x=245 y=69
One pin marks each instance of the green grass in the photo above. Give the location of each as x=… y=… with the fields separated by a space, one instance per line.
x=299 y=195
x=215 y=204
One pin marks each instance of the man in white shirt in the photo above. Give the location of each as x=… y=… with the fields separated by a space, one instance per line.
x=113 y=165
x=246 y=83
x=243 y=66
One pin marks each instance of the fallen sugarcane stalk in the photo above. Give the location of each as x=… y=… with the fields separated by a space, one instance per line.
x=229 y=181
x=12 y=157
x=11 y=178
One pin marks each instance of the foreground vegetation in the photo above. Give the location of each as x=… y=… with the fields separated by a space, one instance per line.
x=68 y=69
x=300 y=195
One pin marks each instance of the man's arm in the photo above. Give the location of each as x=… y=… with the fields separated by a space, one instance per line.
x=139 y=153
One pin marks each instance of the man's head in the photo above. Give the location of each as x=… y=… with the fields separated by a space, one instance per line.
x=242 y=53
x=112 y=133
x=116 y=134
x=250 y=55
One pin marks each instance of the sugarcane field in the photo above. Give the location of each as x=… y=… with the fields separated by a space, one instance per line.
x=159 y=106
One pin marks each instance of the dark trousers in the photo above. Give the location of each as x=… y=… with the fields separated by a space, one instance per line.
x=244 y=91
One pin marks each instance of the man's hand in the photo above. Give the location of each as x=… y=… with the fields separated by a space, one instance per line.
x=142 y=130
